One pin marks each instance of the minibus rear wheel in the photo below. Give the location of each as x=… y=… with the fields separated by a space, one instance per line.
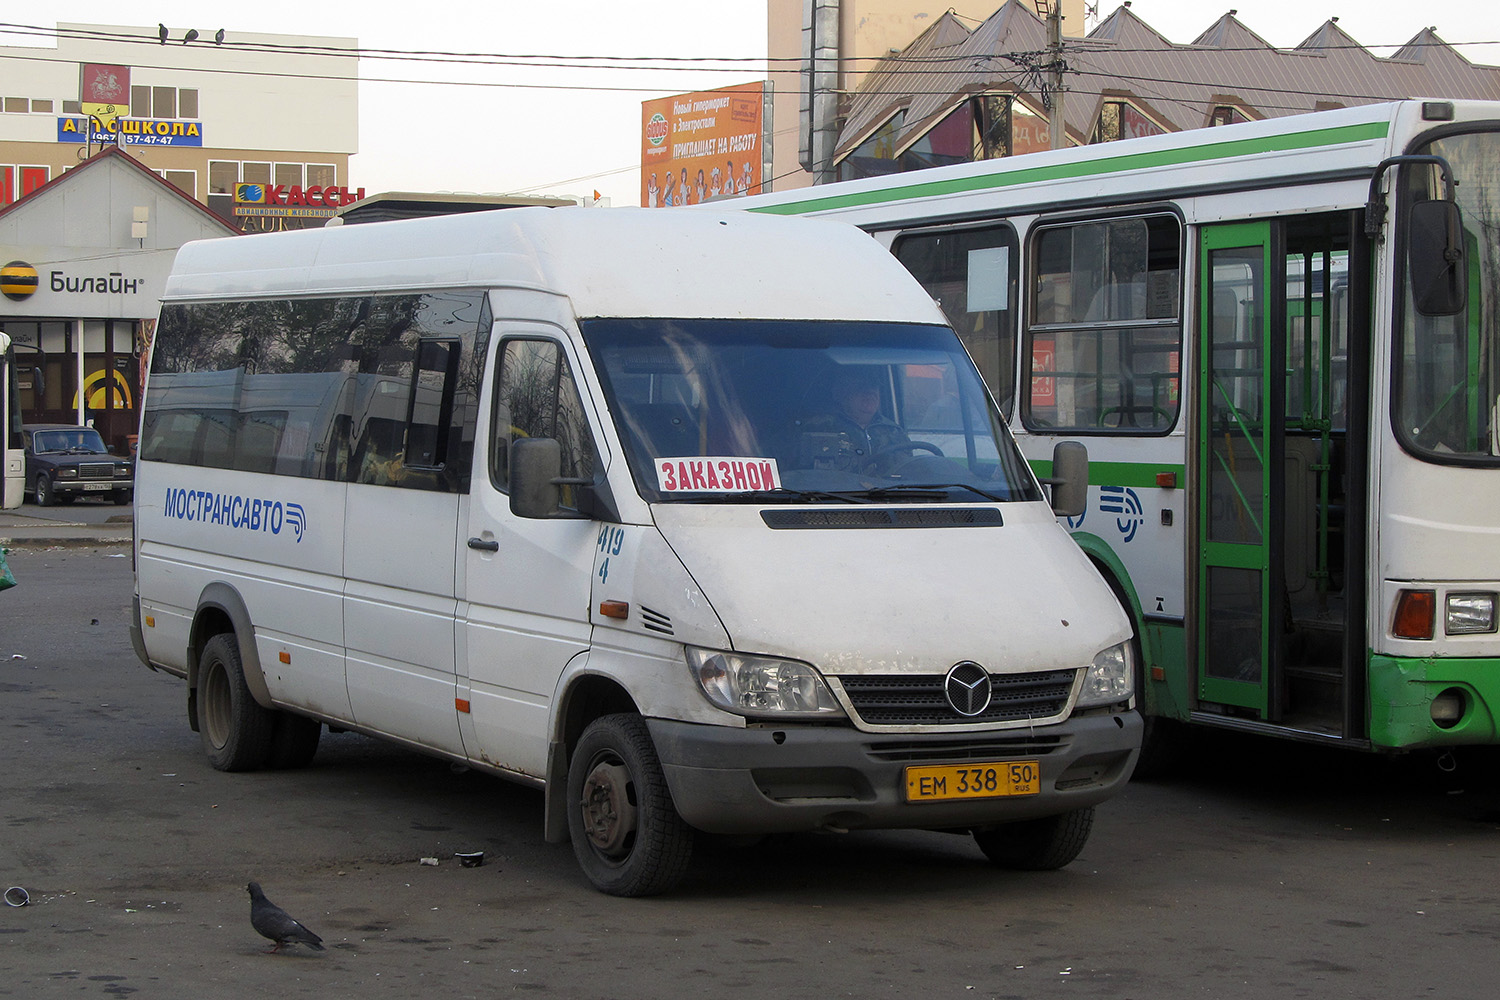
x=626 y=833
x=1037 y=845
x=236 y=732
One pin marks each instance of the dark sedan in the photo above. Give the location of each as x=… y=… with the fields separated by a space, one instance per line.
x=64 y=463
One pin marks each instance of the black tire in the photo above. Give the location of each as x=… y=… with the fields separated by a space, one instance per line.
x=120 y=497
x=626 y=832
x=236 y=732
x=295 y=741
x=1037 y=845
x=46 y=496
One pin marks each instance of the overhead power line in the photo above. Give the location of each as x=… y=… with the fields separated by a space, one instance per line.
x=653 y=62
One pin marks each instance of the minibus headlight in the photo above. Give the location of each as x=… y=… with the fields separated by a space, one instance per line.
x=1469 y=614
x=761 y=685
x=1110 y=678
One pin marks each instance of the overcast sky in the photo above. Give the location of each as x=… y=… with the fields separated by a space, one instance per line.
x=566 y=130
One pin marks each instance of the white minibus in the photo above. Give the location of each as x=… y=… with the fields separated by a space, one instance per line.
x=699 y=521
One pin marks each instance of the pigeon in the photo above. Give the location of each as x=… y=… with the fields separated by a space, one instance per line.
x=271 y=921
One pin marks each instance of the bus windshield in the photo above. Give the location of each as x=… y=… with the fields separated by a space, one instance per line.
x=711 y=410
x=1447 y=378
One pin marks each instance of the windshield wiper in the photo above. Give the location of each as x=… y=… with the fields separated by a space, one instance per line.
x=931 y=491
x=780 y=493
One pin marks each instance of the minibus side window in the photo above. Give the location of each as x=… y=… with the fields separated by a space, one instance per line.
x=535 y=396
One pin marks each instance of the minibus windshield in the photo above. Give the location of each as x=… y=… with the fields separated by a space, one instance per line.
x=835 y=412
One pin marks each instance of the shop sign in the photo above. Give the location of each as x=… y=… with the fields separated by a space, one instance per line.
x=133 y=131
x=293 y=200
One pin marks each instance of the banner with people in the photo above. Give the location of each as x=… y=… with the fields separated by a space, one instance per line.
x=700 y=146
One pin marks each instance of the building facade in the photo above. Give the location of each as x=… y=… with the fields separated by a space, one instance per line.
x=216 y=113
x=822 y=51
x=961 y=91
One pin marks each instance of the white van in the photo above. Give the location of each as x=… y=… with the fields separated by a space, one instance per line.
x=700 y=521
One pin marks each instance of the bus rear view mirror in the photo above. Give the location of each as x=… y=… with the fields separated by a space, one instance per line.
x=1070 y=478
x=1436 y=262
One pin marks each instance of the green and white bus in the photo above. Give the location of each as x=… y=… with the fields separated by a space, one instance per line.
x=12 y=461
x=1279 y=342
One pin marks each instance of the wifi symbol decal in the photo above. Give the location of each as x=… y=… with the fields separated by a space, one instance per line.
x=1125 y=504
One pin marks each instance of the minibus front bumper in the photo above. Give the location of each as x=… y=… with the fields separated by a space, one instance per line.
x=777 y=779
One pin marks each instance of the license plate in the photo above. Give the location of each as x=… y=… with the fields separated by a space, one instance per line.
x=945 y=782
x=97 y=486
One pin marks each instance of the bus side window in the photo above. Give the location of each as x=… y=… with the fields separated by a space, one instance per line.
x=972 y=275
x=535 y=396
x=1104 y=340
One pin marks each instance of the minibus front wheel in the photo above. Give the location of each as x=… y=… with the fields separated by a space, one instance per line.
x=626 y=833
x=237 y=733
x=1037 y=845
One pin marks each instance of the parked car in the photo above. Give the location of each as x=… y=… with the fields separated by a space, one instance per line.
x=64 y=463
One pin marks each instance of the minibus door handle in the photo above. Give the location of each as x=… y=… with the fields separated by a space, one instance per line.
x=493 y=545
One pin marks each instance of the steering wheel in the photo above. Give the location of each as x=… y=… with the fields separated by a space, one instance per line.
x=892 y=449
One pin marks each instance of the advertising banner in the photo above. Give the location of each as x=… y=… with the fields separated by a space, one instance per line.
x=703 y=145
x=132 y=131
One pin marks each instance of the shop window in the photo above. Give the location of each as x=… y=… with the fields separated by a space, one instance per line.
x=187 y=103
x=163 y=102
x=877 y=154
x=321 y=175
x=1226 y=114
x=185 y=181
x=255 y=173
x=1120 y=120
x=41 y=107
x=289 y=174
x=17 y=105
x=33 y=178
x=72 y=107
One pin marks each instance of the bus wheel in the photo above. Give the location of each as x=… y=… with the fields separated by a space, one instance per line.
x=236 y=731
x=1037 y=845
x=295 y=741
x=625 y=830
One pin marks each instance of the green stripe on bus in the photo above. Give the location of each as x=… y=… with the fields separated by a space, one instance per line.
x=1109 y=165
x=1119 y=473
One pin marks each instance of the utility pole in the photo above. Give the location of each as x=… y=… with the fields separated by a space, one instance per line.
x=1058 y=126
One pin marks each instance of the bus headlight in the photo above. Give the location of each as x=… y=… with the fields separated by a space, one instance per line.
x=761 y=685
x=1110 y=678
x=1469 y=614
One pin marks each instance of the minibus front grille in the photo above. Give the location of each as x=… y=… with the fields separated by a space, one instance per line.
x=919 y=700
x=961 y=750
x=883 y=517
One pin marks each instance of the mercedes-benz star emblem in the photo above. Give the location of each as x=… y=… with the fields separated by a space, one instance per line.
x=968 y=688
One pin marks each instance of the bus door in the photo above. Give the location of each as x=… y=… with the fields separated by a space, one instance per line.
x=1235 y=437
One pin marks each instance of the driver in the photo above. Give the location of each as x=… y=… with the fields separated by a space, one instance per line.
x=854 y=436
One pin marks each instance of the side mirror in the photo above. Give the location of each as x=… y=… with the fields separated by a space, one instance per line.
x=535 y=467
x=1436 y=263
x=537 y=485
x=1070 y=478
